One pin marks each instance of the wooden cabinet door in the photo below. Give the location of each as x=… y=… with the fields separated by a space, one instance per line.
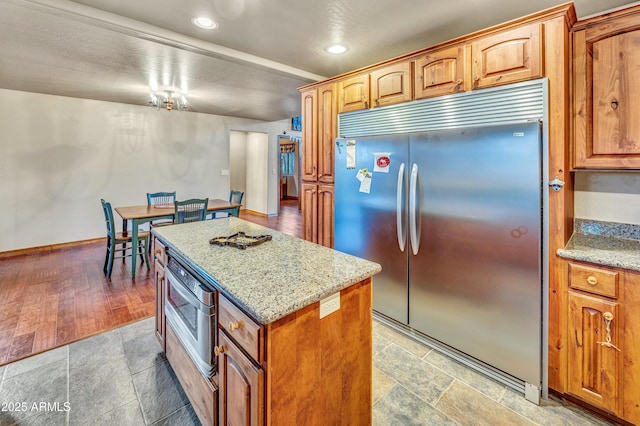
x=607 y=95
x=325 y=215
x=309 y=203
x=241 y=386
x=391 y=84
x=160 y=319
x=507 y=57
x=309 y=135
x=327 y=129
x=353 y=93
x=440 y=72
x=594 y=368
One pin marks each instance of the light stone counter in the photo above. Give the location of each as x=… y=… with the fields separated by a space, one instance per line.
x=270 y=280
x=604 y=243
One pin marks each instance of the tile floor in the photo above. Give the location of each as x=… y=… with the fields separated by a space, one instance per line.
x=121 y=377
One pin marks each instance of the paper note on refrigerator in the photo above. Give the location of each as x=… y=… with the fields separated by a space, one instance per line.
x=351 y=154
x=365 y=185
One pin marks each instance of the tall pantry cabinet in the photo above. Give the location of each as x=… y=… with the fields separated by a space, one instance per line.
x=319 y=117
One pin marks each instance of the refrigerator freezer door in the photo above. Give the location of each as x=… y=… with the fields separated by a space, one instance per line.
x=476 y=283
x=366 y=224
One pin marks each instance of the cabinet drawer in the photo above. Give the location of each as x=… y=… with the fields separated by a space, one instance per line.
x=159 y=252
x=593 y=280
x=246 y=332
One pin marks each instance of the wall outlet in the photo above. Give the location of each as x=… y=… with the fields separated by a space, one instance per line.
x=329 y=304
x=224 y=172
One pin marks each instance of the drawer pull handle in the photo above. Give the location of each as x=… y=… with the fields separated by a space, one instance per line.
x=234 y=325
x=218 y=350
x=608 y=317
x=592 y=280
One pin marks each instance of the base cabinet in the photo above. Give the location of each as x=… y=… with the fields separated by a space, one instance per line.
x=317 y=213
x=594 y=359
x=241 y=386
x=603 y=332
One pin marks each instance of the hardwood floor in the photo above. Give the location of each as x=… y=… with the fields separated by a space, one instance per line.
x=54 y=297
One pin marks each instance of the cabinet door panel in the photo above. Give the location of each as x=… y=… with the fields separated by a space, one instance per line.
x=440 y=73
x=309 y=212
x=325 y=215
x=594 y=368
x=353 y=93
x=616 y=95
x=309 y=135
x=241 y=387
x=160 y=318
x=507 y=57
x=327 y=129
x=391 y=84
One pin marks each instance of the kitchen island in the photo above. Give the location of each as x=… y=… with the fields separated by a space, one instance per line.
x=293 y=326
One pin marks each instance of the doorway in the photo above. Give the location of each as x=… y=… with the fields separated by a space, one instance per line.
x=248 y=170
x=289 y=168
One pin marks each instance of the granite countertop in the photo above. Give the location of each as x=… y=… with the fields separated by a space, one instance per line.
x=604 y=243
x=270 y=280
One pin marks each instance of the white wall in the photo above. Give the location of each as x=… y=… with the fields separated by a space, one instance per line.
x=257 y=172
x=60 y=155
x=608 y=196
x=238 y=162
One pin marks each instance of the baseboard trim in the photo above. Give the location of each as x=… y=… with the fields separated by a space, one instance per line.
x=49 y=248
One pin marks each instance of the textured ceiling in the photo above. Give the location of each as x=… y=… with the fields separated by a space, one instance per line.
x=251 y=66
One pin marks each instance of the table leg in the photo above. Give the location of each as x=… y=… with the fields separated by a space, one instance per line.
x=134 y=247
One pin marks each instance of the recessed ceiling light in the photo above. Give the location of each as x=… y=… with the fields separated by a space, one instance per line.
x=336 y=49
x=204 y=22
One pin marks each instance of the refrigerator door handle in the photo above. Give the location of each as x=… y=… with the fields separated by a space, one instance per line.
x=400 y=225
x=413 y=219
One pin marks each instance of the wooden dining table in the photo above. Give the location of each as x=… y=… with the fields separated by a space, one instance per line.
x=146 y=213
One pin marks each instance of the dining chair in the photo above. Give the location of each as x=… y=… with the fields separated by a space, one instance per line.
x=191 y=210
x=234 y=197
x=161 y=200
x=117 y=243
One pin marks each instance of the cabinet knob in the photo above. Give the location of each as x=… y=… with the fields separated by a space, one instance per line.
x=592 y=280
x=234 y=325
x=614 y=104
x=218 y=350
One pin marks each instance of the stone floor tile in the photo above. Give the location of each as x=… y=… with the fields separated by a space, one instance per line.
x=36 y=361
x=403 y=341
x=381 y=384
x=402 y=408
x=467 y=406
x=22 y=394
x=143 y=352
x=126 y=415
x=418 y=376
x=379 y=343
x=550 y=412
x=183 y=417
x=97 y=389
x=159 y=392
x=45 y=417
x=137 y=329
x=488 y=387
x=95 y=350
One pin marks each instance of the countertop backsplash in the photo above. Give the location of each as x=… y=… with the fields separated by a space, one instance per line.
x=607 y=229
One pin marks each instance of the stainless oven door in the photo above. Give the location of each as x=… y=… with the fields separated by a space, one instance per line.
x=193 y=322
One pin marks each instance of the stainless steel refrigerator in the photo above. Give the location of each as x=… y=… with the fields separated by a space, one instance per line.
x=455 y=219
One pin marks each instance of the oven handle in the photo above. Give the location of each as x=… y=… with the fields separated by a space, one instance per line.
x=177 y=285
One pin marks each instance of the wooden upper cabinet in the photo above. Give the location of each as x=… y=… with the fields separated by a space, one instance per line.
x=327 y=129
x=309 y=135
x=440 y=72
x=353 y=93
x=507 y=57
x=392 y=84
x=607 y=94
